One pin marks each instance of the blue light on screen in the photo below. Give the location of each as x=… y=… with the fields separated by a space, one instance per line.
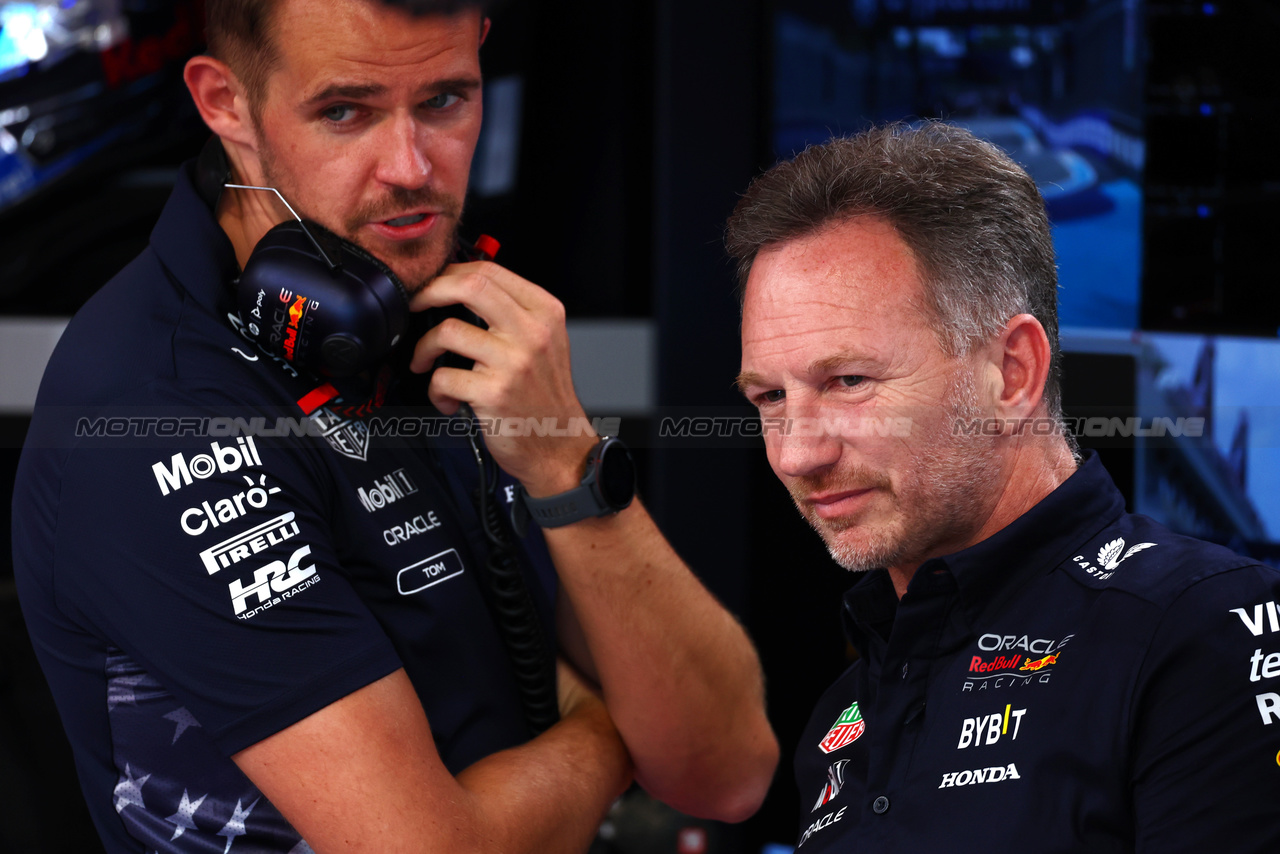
x=22 y=38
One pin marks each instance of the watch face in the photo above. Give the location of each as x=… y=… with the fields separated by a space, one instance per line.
x=617 y=475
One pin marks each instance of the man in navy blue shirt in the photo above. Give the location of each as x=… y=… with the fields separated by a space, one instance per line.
x=1038 y=670
x=262 y=618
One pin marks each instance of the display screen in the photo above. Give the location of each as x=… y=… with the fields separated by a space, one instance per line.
x=1224 y=484
x=1057 y=85
x=1198 y=422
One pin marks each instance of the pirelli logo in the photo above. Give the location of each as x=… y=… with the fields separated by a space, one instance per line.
x=248 y=544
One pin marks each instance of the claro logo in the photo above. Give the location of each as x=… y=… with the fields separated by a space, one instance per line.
x=180 y=472
x=196 y=520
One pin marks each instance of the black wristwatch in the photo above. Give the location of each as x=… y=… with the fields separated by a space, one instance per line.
x=607 y=487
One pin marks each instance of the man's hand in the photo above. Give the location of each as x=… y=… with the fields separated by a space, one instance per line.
x=574 y=691
x=521 y=370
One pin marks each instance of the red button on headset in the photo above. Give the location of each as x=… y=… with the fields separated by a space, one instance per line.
x=487 y=246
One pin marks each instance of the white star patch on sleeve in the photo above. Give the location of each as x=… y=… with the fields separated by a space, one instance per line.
x=184 y=817
x=235 y=827
x=183 y=719
x=129 y=790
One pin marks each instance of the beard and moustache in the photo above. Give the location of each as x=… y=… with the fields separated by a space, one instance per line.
x=441 y=241
x=938 y=502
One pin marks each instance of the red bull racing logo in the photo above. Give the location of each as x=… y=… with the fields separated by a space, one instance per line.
x=1000 y=662
x=295 y=322
x=1012 y=660
x=847 y=729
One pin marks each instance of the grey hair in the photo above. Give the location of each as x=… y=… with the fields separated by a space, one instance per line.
x=970 y=215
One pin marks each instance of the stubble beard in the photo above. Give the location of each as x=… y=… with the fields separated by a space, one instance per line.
x=940 y=501
x=440 y=242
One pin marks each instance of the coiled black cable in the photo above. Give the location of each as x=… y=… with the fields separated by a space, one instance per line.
x=510 y=601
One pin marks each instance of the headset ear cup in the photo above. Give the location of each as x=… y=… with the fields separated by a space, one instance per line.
x=336 y=321
x=212 y=172
x=354 y=250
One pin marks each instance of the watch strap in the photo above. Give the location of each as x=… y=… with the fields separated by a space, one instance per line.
x=588 y=500
x=565 y=508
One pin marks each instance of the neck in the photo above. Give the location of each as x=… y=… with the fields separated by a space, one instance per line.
x=1028 y=472
x=246 y=215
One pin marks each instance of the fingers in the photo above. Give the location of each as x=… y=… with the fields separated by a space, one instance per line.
x=491 y=291
x=506 y=373
x=573 y=688
x=455 y=336
x=516 y=311
x=447 y=391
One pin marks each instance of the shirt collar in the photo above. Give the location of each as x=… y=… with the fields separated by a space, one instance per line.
x=193 y=247
x=993 y=570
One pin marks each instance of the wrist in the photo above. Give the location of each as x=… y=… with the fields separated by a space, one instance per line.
x=610 y=750
x=607 y=486
x=562 y=473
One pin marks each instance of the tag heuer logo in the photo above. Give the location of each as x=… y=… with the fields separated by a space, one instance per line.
x=1109 y=555
x=846 y=730
x=347 y=436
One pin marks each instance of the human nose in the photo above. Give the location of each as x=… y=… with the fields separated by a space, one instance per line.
x=402 y=158
x=801 y=443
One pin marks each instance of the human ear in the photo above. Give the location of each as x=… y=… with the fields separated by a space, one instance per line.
x=1023 y=366
x=220 y=99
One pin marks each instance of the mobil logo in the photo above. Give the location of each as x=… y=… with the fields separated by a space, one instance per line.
x=221 y=459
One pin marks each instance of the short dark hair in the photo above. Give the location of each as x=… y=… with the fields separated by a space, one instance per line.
x=972 y=218
x=241 y=34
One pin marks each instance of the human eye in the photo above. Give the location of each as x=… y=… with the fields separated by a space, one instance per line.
x=443 y=101
x=850 y=380
x=769 y=396
x=339 y=114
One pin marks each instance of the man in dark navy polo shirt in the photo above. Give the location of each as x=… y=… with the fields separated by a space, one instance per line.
x=261 y=613
x=1038 y=671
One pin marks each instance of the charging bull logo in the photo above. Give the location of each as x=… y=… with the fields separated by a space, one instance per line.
x=1040 y=663
x=296 y=311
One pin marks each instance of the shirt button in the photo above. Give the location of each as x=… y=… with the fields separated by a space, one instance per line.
x=904 y=671
x=881 y=805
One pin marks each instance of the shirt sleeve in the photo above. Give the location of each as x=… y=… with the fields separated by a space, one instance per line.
x=1207 y=720
x=208 y=557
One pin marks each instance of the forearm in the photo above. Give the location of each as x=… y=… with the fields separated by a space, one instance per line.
x=549 y=795
x=680 y=676
x=362 y=775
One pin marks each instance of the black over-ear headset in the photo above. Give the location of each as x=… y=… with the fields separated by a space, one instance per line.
x=313 y=298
